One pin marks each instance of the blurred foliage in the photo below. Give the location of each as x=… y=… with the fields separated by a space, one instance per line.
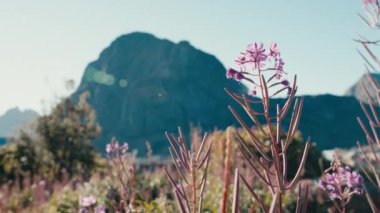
x=56 y=149
x=213 y=193
x=61 y=149
x=24 y=158
x=106 y=192
x=67 y=132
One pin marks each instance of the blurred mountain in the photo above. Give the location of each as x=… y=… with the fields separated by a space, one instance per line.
x=358 y=90
x=14 y=119
x=142 y=86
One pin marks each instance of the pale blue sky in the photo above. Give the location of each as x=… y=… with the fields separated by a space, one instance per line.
x=45 y=42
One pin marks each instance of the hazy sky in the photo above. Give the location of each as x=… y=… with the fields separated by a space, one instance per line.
x=45 y=42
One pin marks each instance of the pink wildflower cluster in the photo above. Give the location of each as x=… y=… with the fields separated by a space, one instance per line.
x=87 y=205
x=114 y=147
x=255 y=61
x=122 y=162
x=118 y=155
x=342 y=183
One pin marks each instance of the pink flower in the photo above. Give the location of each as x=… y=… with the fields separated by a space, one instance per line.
x=241 y=59
x=230 y=73
x=87 y=201
x=342 y=178
x=255 y=62
x=274 y=50
x=369 y=2
x=354 y=179
x=84 y=210
x=238 y=76
x=256 y=54
x=234 y=74
x=125 y=148
x=280 y=64
x=116 y=146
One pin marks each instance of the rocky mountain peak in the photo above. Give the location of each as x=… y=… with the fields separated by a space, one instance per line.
x=142 y=86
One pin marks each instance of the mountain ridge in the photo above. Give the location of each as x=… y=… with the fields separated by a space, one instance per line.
x=362 y=86
x=14 y=119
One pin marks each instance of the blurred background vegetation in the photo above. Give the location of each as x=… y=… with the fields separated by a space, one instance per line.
x=51 y=168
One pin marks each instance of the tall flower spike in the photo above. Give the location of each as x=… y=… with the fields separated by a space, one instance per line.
x=271 y=168
x=123 y=162
x=191 y=166
x=369 y=158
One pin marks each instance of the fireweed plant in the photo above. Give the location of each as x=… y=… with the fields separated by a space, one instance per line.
x=341 y=184
x=369 y=161
x=370 y=158
x=263 y=70
x=122 y=162
x=191 y=166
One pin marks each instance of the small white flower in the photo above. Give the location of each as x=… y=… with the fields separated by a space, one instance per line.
x=108 y=148
x=87 y=201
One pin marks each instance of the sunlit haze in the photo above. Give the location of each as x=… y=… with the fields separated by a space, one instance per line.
x=43 y=43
